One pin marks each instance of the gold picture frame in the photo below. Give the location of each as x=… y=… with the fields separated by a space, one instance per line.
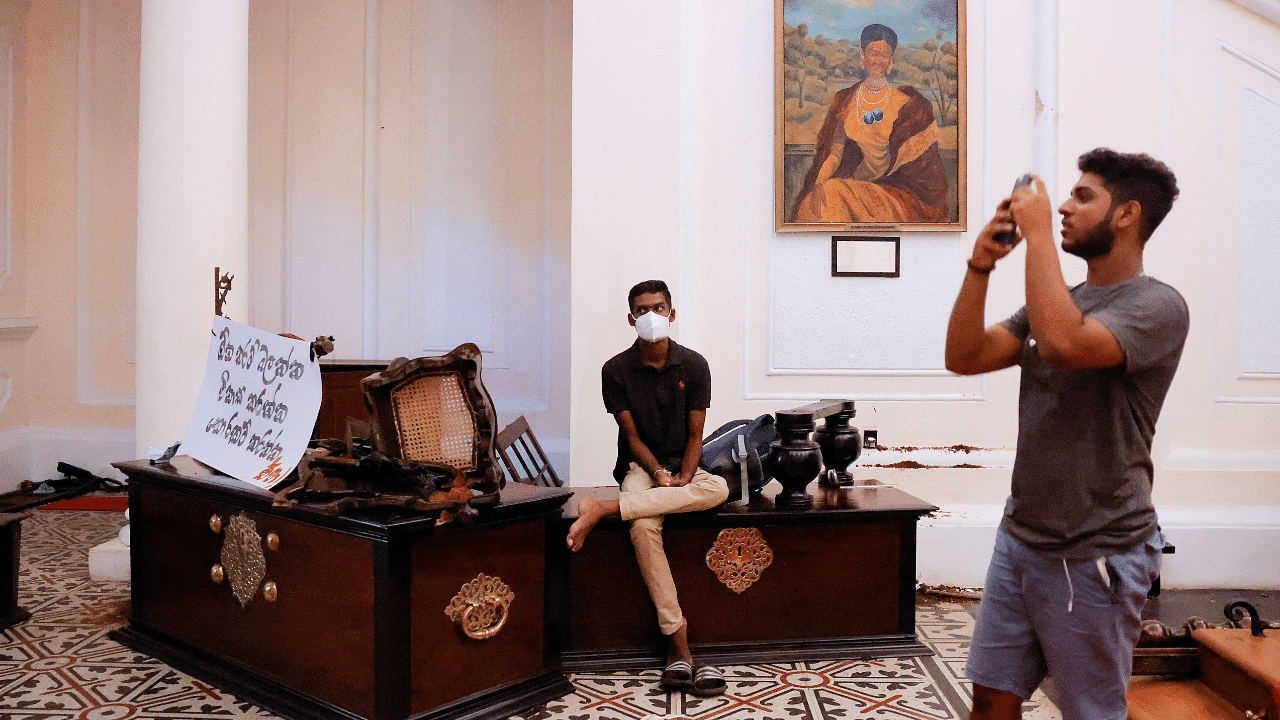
x=892 y=158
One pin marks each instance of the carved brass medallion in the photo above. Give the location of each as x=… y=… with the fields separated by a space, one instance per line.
x=480 y=607
x=738 y=557
x=242 y=558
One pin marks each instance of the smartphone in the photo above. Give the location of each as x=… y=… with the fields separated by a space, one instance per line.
x=1008 y=238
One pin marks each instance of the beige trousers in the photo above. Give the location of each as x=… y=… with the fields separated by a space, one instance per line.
x=644 y=503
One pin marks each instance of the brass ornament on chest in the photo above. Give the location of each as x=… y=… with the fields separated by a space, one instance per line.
x=480 y=607
x=242 y=558
x=738 y=557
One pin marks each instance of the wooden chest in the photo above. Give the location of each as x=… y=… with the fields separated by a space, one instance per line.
x=840 y=582
x=349 y=615
x=10 y=552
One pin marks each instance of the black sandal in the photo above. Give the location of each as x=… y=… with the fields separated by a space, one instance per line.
x=677 y=676
x=708 y=682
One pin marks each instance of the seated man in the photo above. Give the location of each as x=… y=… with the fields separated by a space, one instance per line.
x=658 y=391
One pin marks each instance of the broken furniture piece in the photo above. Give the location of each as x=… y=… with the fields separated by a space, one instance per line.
x=523 y=457
x=435 y=410
x=350 y=595
x=1208 y=672
x=432 y=427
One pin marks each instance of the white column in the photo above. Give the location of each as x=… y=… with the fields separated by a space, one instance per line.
x=192 y=199
x=1045 y=150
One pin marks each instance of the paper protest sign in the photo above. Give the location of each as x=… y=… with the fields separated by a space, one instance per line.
x=257 y=406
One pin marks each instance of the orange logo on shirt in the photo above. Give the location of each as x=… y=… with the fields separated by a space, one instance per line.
x=681 y=384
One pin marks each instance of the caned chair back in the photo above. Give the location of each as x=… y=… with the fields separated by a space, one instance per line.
x=435 y=410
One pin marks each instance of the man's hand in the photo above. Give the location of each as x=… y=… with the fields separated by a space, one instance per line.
x=986 y=251
x=664 y=478
x=681 y=480
x=1031 y=210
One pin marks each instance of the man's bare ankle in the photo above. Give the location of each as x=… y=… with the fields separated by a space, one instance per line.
x=678 y=644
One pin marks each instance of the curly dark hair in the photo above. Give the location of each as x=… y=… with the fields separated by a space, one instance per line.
x=648 y=286
x=1134 y=176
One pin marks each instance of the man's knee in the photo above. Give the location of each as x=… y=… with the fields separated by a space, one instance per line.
x=715 y=487
x=993 y=704
x=647 y=528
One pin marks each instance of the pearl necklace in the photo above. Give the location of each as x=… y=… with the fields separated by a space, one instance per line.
x=876 y=113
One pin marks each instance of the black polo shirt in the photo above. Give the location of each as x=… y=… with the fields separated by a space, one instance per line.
x=659 y=401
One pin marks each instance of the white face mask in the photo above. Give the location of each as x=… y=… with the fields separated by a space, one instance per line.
x=652 y=327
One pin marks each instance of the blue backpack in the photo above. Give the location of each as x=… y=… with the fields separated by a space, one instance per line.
x=735 y=451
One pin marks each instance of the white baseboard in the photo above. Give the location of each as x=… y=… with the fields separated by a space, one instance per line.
x=953 y=545
x=33 y=453
x=1230 y=547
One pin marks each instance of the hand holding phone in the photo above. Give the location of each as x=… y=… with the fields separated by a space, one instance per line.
x=1009 y=237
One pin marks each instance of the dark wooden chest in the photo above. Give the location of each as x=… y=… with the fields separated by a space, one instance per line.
x=840 y=582
x=349 y=617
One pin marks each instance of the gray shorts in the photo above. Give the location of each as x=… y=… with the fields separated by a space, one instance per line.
x=1075 y=621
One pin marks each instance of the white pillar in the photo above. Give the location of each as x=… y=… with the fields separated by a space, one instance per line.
x=1045 y=151
x=192 y=199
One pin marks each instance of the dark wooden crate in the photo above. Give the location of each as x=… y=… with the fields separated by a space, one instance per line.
x=359 y=629
x=841 y=583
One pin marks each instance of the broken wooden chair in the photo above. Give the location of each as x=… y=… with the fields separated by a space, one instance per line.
x=523 y=457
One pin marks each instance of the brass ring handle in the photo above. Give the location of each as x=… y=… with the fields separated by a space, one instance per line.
x=478 y=620
x=480 y=607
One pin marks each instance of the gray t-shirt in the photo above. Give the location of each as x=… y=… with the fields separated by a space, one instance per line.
x=1083 y=474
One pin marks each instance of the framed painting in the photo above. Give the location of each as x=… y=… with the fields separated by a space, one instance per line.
x=869 y=103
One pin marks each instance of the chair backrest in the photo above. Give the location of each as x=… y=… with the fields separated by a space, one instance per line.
x=435 y=410
x=523 y=457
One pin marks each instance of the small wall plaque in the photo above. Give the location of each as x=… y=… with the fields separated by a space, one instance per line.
x=864 y=256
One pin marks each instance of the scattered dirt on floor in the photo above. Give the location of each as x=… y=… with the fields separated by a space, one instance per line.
x=951 y=591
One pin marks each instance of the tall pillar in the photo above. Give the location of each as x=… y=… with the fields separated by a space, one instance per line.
x=192 y=199
x=1045 y=63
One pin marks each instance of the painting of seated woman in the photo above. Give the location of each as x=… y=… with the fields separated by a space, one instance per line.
x=880 y=155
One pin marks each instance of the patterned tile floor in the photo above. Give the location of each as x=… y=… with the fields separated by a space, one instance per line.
x=60 y=664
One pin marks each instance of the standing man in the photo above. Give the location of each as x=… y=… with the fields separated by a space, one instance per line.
x=658 y=391
x=1079 y=544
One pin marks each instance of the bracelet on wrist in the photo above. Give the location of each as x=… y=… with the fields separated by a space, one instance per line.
x=980 y=270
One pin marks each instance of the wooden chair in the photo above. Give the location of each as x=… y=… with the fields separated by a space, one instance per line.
x=523 y=456
x=435 y=410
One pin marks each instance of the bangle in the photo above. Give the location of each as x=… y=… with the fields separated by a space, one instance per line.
x=980 y=271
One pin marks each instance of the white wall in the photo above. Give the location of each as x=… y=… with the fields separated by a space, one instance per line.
x=68 y=208
x=410 y=190
x=681 y=95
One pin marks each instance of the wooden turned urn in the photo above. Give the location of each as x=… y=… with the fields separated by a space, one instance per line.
x=841 y=444
x=794 y=459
